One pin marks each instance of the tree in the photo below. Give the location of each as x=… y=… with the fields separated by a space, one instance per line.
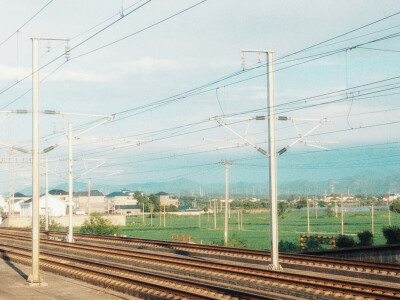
x=395 y=206
x=392 y=234
x=329 y=211
x=155 y=201
x=282 y=208
x=313 y=244
x=99 y=225
x=53 y=225
x=366 y=238
x=301 y=203
x=345 y=241
x=285 y=246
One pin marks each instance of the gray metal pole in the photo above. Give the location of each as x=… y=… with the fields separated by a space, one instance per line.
x=372 y=219
x=226 y=203
x=341 y=203
x=88 y=200
x=308 y=216
x=35 y=278
x=47 y=194
x=70 y=184
x=273 y=193
x=215 y=214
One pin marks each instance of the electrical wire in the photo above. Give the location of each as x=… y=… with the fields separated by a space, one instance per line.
x=23 y=25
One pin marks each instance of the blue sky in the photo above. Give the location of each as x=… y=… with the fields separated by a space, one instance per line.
x=185 y=52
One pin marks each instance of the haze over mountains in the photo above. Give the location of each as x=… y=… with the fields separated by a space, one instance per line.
x=352 y=185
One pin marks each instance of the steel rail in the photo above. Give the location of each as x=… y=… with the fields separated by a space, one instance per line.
x=120 y=276
x=246 y=253
x=244 y=272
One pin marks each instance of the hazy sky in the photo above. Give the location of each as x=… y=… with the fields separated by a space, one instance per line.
x=164 y=68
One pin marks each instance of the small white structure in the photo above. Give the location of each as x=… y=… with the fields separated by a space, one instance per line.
x=56 y=207
x=3 y=204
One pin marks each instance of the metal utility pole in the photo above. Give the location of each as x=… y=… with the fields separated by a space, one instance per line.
x=342 y=213
x=70 y=184
x=47 y=195
x=372 y=219
x=238 y=219
x=273 y=190
x=199 y=220
x=88 y=200
x=227 y=164
x=160 y=215
x=308 y=216
x=336 y=208
x=11 y=186
x=164 y=217
x=35 y=279
x=144 y=222
x=215 y=214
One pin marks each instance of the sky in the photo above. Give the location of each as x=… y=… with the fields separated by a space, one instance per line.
x=159 y=71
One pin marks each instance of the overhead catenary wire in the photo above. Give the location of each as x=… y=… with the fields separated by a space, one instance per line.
x=26 y=22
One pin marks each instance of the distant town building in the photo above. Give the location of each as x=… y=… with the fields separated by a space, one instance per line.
x=96 y=203
x=166 y=199
x=188 y=208
x=127 y=210
x=56 y=207
x=393 y=197
x=116 y=199
x=60 y=194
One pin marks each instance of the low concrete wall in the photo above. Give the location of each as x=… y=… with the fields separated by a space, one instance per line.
x=389 y=254
x=77 y=221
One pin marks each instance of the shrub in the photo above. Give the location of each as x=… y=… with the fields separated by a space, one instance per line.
x=392 y=234
x=313 y=244
x=329 y=211
x=301 y=203
x=282 y=208
x=53 y=225
x=345 y=241
x=366 y=238
x=395 y=206
x=99 y=225
x=285 y=246
x=237 y=242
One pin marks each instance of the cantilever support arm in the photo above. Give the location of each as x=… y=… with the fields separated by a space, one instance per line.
x=247 y=142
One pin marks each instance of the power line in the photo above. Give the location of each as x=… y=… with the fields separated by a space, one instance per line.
x=23 y=25
x=141 y=30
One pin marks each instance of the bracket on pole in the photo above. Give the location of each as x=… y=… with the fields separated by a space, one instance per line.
x=246 y=142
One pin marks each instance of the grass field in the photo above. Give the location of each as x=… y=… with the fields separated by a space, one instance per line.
x=255 y=233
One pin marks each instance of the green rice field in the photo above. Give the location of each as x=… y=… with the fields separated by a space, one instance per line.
x=255 y=233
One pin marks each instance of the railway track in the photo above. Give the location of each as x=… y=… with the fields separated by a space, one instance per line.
x=256 y=279
x=296 y=261
x=143 y=285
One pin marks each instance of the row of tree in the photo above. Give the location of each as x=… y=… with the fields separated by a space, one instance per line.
x=152 y=203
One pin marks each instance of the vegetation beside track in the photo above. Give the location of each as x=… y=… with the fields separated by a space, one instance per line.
x=255 y=233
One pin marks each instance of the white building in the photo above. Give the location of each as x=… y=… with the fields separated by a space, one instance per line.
x=3 y=204
x=56 y=207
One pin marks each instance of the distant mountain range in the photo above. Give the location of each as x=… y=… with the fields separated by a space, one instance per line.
x=351 y=185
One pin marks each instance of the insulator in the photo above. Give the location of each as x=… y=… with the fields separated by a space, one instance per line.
x=243 y=62
x=67 y=52
x=259 y=57
x=283 y=150
x=48 y=46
